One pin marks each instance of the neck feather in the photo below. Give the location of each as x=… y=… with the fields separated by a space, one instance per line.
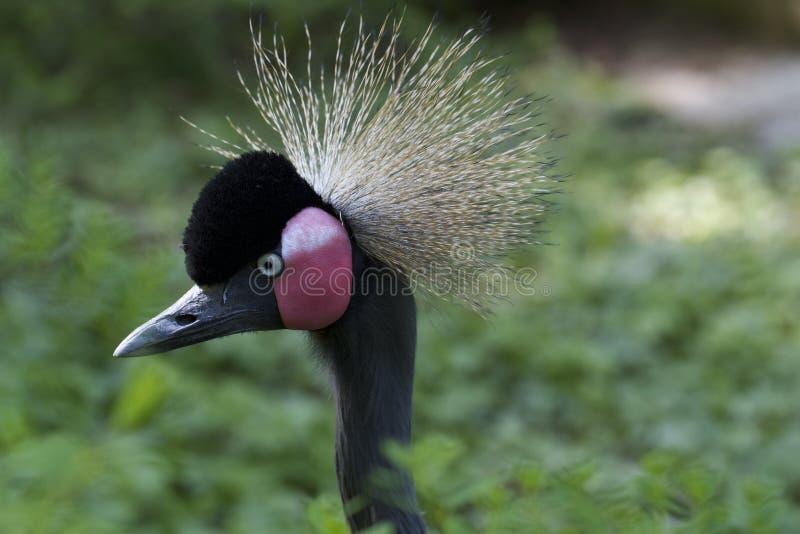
x=371 y=351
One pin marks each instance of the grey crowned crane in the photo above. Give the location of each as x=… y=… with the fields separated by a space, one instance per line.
x=404 y=169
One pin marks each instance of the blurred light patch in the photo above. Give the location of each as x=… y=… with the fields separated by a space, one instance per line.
x=726 y=198
x=693 y=211
x=736 y=91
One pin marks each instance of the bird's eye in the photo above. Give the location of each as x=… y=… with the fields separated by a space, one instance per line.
x=270 y=264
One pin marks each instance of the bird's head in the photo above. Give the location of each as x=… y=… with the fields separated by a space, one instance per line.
x=265 y=252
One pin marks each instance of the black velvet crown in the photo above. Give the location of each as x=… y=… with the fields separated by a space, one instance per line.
x=241 y=213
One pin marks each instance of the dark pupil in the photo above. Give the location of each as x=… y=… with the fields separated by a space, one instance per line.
x=268 y=265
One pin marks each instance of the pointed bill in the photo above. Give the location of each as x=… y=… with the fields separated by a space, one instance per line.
x=204 y=313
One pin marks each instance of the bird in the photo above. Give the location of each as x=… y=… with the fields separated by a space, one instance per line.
x=407 y=173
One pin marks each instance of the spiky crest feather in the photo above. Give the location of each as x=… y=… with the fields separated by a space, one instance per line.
x=434 y=169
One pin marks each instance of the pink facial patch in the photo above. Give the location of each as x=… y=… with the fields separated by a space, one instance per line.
x=314 y=289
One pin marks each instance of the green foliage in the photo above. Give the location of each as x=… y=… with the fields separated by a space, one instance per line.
x=650 y=385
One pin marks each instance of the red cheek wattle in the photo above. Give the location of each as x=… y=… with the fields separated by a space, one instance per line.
x=314 y=289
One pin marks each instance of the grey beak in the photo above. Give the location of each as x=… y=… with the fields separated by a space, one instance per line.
x=205 y=313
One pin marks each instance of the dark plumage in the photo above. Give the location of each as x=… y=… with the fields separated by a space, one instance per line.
x=241 y=212
x=371 y=353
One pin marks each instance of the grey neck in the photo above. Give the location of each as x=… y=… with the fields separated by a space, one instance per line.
x=371 y=352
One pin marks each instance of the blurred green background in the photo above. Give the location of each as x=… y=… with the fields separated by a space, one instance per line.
x=651 y=385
